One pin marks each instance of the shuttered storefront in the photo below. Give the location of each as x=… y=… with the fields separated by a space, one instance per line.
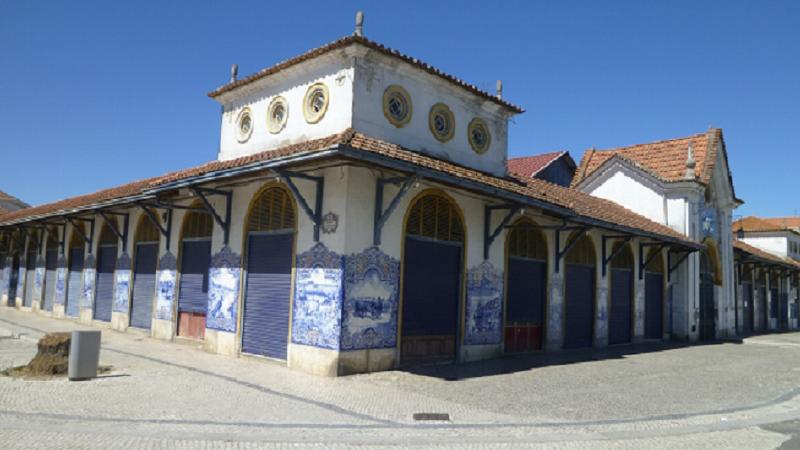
x=13 y=282
x=579 y=296
x=783 y=314
x=104 y=284
x=194 y=266
x=431 y=281
x=268 y=282
x=144 y=284
x=30 y=276
x=747 y=308
x=50 y=265
x=620 y=317
x=762 y=302
x=654 y=296
x=526 y=291
x=74 y=281
x=707 y=325
x=774 y=300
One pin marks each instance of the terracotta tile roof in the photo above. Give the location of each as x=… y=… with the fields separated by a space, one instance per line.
x=757 y=224
x=10 y=203
x=765 y=256
x=348 y=40
x=529 y=166
x=580 y=204
x=666 y=160
x=784 y=222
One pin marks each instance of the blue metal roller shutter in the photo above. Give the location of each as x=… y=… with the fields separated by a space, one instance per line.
x=74 y=281
x=104 y=287
x=621 y=308
x=783 y=314
x=762 y=303
x=195 y=262
x=773 y=303
x=579 y=306
x=30 y=275
x=265 y=327
x=707 y=313
x=144 y=285
x=50 y=264
x=526 y=291
x=13 y=281
x=653 y=305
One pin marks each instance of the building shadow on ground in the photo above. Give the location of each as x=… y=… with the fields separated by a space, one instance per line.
x=520 y=362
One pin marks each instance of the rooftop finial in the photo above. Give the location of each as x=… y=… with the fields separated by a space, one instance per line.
x=234 y=72
x=359 y=24
x=690 y=164
x=499 y=88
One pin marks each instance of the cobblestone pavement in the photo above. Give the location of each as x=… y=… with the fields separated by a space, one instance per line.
x=170 y=395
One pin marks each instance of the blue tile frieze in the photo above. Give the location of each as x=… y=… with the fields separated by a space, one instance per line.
x=61 y=280
x=122 y=284
x=166 y=278
x=223 y=290
x=369 y=317
x=484 y=305
x=38 y=280
x=316 y=312
x=88 y=282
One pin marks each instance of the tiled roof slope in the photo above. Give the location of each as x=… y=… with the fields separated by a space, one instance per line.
x=348 y=40
x=785 y=222
x=765 y=256
x=579 y=203
x=666 y=160
x=529 y=166
x=11 y=203
x=757 y=224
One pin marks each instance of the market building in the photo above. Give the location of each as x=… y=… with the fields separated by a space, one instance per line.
x=360 y=216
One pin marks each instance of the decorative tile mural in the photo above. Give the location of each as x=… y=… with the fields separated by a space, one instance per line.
x=61 y=281
x=484 y=324
x=555 y=312
x=166 y=278
x=38 y=280
x=5 y=282
x=122 y=284
x=369 y=317
x=21 y=277
x=88 y=282
x=601 y=320
x=316 y=313
x=223 y=290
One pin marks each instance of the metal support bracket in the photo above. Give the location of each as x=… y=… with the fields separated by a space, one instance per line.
x=643 y=263
x=87 y=239
x=607 y=259
x=490 y=236
x=121 y=234
x=381 y=215
x=225 y=223
x=314 y=215
x=671 y=267
x=165 y=230
x=561 y=252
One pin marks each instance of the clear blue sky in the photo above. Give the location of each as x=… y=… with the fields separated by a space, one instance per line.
x=94 y=94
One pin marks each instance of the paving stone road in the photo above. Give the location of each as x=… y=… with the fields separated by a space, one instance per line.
x=168 y=395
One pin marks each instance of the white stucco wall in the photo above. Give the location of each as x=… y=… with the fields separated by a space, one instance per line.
x=632 y=192
x=769 y=242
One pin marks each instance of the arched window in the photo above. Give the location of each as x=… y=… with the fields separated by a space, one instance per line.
x=623 y=259
x=273 y=210
x=524 y=241
x=434 y=216
x=146 y=231
x=582 y=252
x=107 y=236
x=197 y=224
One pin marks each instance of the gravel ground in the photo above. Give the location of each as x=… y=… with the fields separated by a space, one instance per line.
x=168 y=395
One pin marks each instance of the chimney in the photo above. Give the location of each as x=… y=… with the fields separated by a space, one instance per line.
x=234 y=72
x=499 y=88
x=690 y=164
x=359 y=24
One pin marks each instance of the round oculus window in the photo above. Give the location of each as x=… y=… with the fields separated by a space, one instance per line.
x=316 y=102
x=244 y=125
x=277 y=115
x=442 y=122
x=478 y=135
x=397 y=105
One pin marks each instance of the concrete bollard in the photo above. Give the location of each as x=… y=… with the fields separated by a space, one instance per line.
x=84 y=355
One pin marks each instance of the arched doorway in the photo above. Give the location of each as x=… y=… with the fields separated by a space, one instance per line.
x=50 y=266
x=620 y=314
x=77 y=246
x=748 y=318
x=195 y=261
x=707 y=307
x=432 y=268
x=654 y=295
x=31 y=255
x=526 y=293
x=145 y=260
x=579 y=296
x=106 y=263
x=271 y=226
